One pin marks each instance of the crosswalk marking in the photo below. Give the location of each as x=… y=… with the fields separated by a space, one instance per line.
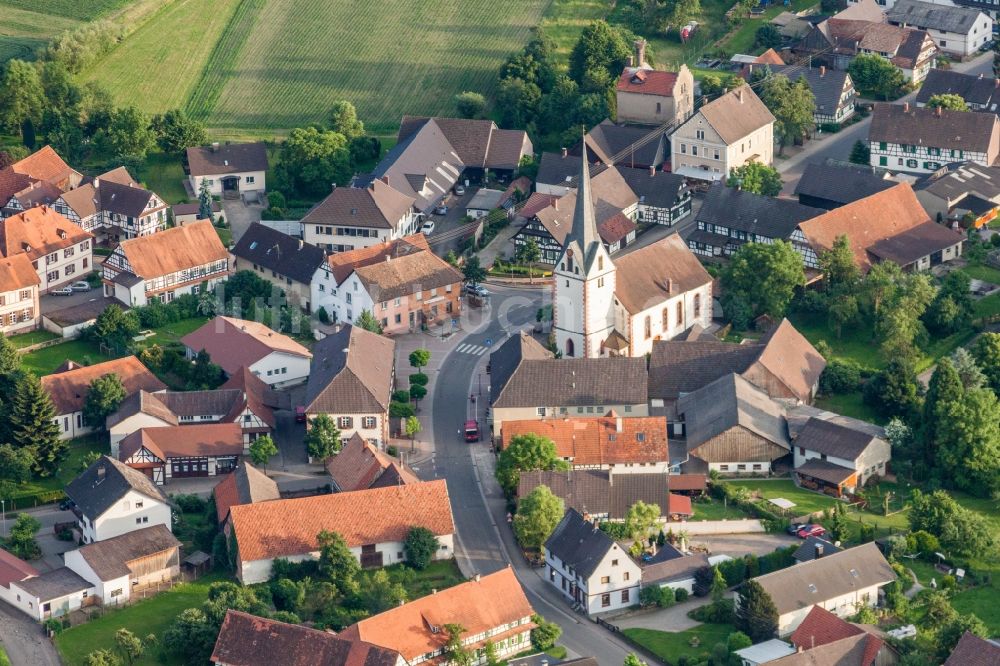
x=476 y=350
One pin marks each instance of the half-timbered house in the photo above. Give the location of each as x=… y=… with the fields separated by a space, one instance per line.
x=114 y=207
x=60 y=251
x=183 y=451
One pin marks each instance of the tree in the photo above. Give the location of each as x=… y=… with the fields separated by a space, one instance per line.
x=880 y=284
x=104 y=397
x=768 y=37
x=599 y=48
x=986 y=351
x=473 y=271
x=343 y=120
x=967 y=369
x=288 y=595
x=115 y=328
x=22 y=96
x=517 y=102
x=336 y=562
x=943 y=391
x=960 y=530
x=175 y=131
x=898 y=322
x=525 y=453
x=21 y=541
x=102 y=657
x=861 y=153
x=875 y=75
x=756 y=177
x=765 y=276
x=322 y=438
x=470 y=104
x=528 y=254
x=947 y=101
x=537 y=516
x=545 y=634
x=367 y=321
x=33 y=426
x=380 y=593
x=703 y=578
x=949 y=634
x=455 y=652
x=262 y=450
x=737 y=641
x=719 y=586
x=840 y=271
x=681 y=13
x=756 y=615
x=418 y=392
x=640 y=518
x=128 y=645
x=311 y=160
x=16 y=464
x=715 y=85
x=792 y=105
x=969 y=442
x=839 y=527
x=411 y=426
x=205 y=211
x=128 y=135
x=419 y=358
x=191 y=636
x=895 y=391
x=420 y=547
x=952 y=307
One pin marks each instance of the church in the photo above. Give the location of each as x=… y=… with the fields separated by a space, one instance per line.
x=619 y=308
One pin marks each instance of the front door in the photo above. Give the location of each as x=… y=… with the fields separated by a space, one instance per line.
x=370 y=558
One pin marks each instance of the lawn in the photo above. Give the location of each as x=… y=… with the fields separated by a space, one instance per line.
x=26 y=27
x=438 y=575
x=850 y=404
x=713 y=509
x=152 y=616
x=805 y=501
x=164 y=175
x=32 y=338
x=670 y=646
x=979 y=271
x=68 y=470
x=742 y=39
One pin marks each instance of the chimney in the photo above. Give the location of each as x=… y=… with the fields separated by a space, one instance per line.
x=618 y=424
x=631 y=61
x=818 y=550
x=97 y=183
x=101 y=473
x=477 y=578
x=215 y=146
x=739 y=94
x=640 y=52
x=652 y=170
x=938 y=111
x=980 y=76
x=669 y=284
x=565 y=152
x=906 y=107
x=822 y=71
x=434 y=590
x=388 y=258
x=302 y=243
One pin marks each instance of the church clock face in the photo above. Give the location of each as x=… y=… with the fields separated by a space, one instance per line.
x=569 y=253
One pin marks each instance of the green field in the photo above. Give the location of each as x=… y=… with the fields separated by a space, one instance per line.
x=24 y=29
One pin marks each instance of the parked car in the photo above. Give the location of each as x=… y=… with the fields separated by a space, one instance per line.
x=66 y=505
x=794 y=528
x=459 y=190
x=300 y=414
x=478 y=290
x=80 y=286
x=811 y=530
x=440 y=210
x=62 y=291
x=428 y=228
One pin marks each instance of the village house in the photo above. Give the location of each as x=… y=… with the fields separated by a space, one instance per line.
x=840 y=583
x=235 y=344
x=114 y=206
x=630 y=146
x=110 y=499
x=350 y=218
x=361 y=465
x=245 y=485
x=178 y=261
x=958 y=191
x=672 y=568
x=41 y=595
x=887 y=226
x=729 y=218
x=527 y=383
x=814 y=548
x=288 y=528
x=922 y=140
x=38 y=179
x=834 y=458
x=19 y=305
x=402 y=284
x=123 y=565
x=489 y=608
x=608 y=495
x=830 y=185
x=959 y=31
x=169 y=452
x=663 y=197
x=248 y=640
x=286 y=262
x=229 y=169
x=782 y=363
x=69 y=385
x=635 y=444
x=557 y=174
x=647 y=96
x=981 y=93
x=60 y=251
x=351 y=381
x=589 y=568
x=186 y=213
x=724 y=134
x=483 y=202
x=832 y=89
x=733 y=427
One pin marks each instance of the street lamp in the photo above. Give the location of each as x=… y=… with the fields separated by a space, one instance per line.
x=3 y=515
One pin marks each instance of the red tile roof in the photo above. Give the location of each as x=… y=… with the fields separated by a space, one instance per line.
x=770 y=57
x=342 y=264
x=616 y=228
x=37 y=232
x=647 y=82
x=680 y=482
x=16 y=272
x=13 y=569
x=820 y=627
x=972 y=650
x=254 y=389
x=238 y=343
x=68 y=389
x=536 y=202
x=245 y=485
x=289 y=527
x=678 y=504
x=597 y=441
x=360 y=465
x=192 y=245
x=181 y=441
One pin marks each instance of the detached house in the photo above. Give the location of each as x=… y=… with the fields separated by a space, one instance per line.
x=351 y=381
x=922 y=140
x=168 y=452
x=41 y=595
x=39 y=179
x=839 y=583
x=647 y=96
x=178 y=261
x=834 y=458
x=350 y=218
x=589 y=568
x=60 y=251
x=69 y=385
x=229 y=169
x=980 y=93
x=832 y=89
x=286 y=262
x=960 y=31
x=19 y=305
x=724 y=134
x=288 y=528
x=110 y=498
x=114 y=206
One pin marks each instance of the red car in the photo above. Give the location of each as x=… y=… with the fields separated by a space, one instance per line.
x=811 y=530
x=300 y=414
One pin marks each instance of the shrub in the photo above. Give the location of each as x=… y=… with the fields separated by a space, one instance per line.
x=717 y=612
x=661 y=597
x=840 y=376
x=616 y=531
x=418 y=379
x=681 y=594
x=190 y=503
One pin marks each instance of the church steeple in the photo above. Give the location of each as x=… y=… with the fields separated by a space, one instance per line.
x=584 y=229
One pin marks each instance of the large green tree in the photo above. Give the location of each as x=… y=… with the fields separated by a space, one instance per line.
x=336 y=562
x=861 y=153
x=343 y=119
x=322 y=438
x=538 y=513
x=367 y=321
x=873 y=74
x=311 y=160
x=898 y=323
x=960 y=530
x=104 y=396
x=640 y=518
x=840 y=270
x=175 y=131
x=757 y=178
x=952 y=308
x=129 y=135
x=22 y=96
x=517 y=102
x=948 y=101
x=986 y=351
x=21 y=541
x=115 y=327
x=943 y=391
x=262 y=450
x=792 y=105
x=756 y=615
x=895 y=391
x=524 y=453
x=470 y=104
x=599 y=48
x=420 y=547
x=765 y=276
x=968 y=447
x=33 y=426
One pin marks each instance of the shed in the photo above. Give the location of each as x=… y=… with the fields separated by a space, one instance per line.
x=196 y=564
x=483 y=202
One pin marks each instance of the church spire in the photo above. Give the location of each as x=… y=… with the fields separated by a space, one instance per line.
x=584 y=229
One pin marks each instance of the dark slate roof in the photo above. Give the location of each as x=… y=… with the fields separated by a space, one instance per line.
x=927 y=15
x=661 y=190
x=833 y=439
x=825 y=471
x=608 y=141
x=807 y=551
x=508 y=357
x=958 y=180
x=274 y=251
x=679 y=367
x=575 y=381
x=123 y=199
x=915 y=243
x=840 y=183
x=595 y=491
x=728 y=402
x=579 y=543
x=673 y=569
x=554 y=169
x=972 y=650
x=105 y=482
x=227 y=158
x=54 y=584
x=351 y=373
x=957 y=130
x=753 y=213
x=827 y=84
x=980 y=90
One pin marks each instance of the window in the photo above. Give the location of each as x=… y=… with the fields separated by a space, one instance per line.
x=666 y=319
x=628 y=408
x=250 y=179
x=684 y=149
x=648 y=327
x=625 y=576
x=116 y=593
x=68 y=252
x=881 y=145
x=625 y=596
x=741 y=468
x=716 y=153
x=723 y=468
x=697 y=305
x=694 y=150
x=345 y=422
x=605 y=580
x=699 y=134
x=70 y=269
x=600 y=263
x=139 y=504
x=911 y=164
x=52 y=276
x=369 y=422
x=605 y=600
x=680 y=314
x=614 y=563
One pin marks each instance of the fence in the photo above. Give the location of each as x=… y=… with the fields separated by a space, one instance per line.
x=707 y=527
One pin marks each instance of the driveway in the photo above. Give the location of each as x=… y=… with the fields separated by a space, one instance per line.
x=671 y=619
x=239 y=216
x=50 y=302
x=23 y=640
x=738 y=545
